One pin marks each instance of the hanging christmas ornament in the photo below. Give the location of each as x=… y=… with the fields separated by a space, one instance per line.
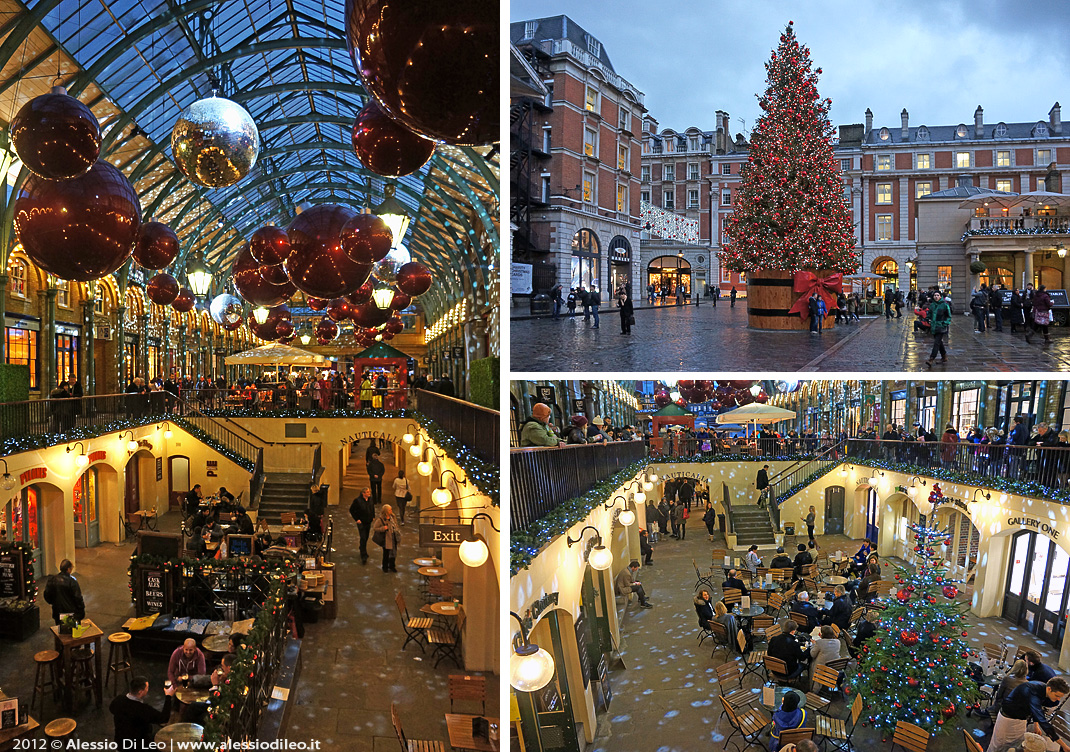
x=284 y=329
x=274 y=274
x=387 y=269
x=432 y=66
x=215 y=142
x=287 y=339
x=269 y=245
x=366 y=239
x=232 y=326
x=56 y=136
x=370 y=315
x=162 y=289
x=413 y=279
x=185 y=301
x=318 y=304
x=394 y=325
x=225 y=309
x=385 y=146
x=362 y=294
x=317 y=265
x=326 y=330
x=251 y=285
x=662 y=398
x=339 y=309
x=80 y=229
x=157 y=246
x=950 y=592
x=264 y=329
x=401 y=301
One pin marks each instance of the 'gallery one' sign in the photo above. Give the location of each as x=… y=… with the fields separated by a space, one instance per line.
x=1036 y=524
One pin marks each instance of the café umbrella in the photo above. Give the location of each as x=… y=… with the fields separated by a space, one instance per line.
x=756 y=414
x=274 y=354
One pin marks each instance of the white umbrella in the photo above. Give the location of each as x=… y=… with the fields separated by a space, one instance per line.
x=1040 y=199
x=276 y=354
x=756 y=412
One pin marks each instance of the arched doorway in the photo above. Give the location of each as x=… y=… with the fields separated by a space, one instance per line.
x=36 y=516
x=140 y=489
x=86 y=497
x=586 y=260
x=997 y=276
x=873 y=510
x=1035 y=596
x=667 y=273
x=1048 y=276
x=20 y=522
x=888 y=268
x=620 y=262
x=178 y=483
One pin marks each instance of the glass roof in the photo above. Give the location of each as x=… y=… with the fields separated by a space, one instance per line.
x=139 y=63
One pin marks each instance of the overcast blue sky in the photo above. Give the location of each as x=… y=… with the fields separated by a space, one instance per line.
x=937 y=58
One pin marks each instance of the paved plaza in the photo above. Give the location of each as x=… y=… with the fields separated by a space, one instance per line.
x=666 y=698
x=708 y=338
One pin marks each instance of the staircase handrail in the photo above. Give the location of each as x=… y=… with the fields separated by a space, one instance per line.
x=220 y=418
x=804 y=460
x=830 y=455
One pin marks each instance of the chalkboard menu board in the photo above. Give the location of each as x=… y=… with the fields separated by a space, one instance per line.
x=1058 y=298
x=12 y=584
x=164 y=545
x=240 y=545
x=155 y=595
x=582 y=640
x=1005 y=296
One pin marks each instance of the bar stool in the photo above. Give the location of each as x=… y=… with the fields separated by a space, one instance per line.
x=46 y=678
x=119 y=658
x=61 y=729
x=83 y=670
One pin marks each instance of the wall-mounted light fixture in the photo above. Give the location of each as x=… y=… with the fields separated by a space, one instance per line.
x=530 y=667
x=131 y=444
x=442 y=496
x=474 y=553
x=912 y=489
x=599 y=557
x=80 y=459
x=7 y=481
x=411 y=432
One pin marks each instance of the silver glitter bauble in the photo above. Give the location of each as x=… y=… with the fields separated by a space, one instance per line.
x=225 y=309
x=387 y=269
x=215 y=142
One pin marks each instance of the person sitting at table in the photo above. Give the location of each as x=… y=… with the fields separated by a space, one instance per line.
x=212 y=529
x=826 y=648
x=704 y=608
x=193 y=500
x=733 y=581
x=1028 y=705
x=226 y=499
x=236 y=642
x=186 y=660
x=781 y=560
x=840 y=611
x=858 y=561
x=243 y=521
x=1038 y=671
x=802 y=559
x=865 y=591
x=64 y=593
x=787 y=647
x=866 y=629
x=803 y=606
x=1011 y=681
x=753 y=560
x=789 y=716
x=219 y=676
x=134 y=717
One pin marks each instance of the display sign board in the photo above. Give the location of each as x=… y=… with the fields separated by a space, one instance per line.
x=579 y=406
x=582 y=640
x=159 y=468
x=240 y=545
x=457 y=352
x=520 y=279
x=154 y=597
x=1059 y=299
x=545 y=394
x=164 y=545
x=12 y=584
x=445 y=536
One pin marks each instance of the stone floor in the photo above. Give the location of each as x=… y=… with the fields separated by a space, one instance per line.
x=705 y=338
x=665 y=699
x=352 y=667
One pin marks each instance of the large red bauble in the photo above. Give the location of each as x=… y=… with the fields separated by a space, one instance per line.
x=280 y=313
x=395 y=326
x=339 y=309
x=317 y=304
x=162 y=289
x=185 y=301
x=908 y=638
x=762 y=398
x=414 y=279
x=231 y=326
x=326 y=329
x=157 y=246
x=284 y=329
x=706 y=386
x=252 y=286
x=265 y=330
x=385 y=146
x=387 y=336
x=371 y=315
x=366 y=239
x=715 y=405
x=362 y=294
x=683 y=384
x=269 y=245
x=287 y=339
x=662 y=398
x=431 y=65
x=401 y=301
x=80 y=229
x=317 y=265
x=274 y=275
x=56 y=136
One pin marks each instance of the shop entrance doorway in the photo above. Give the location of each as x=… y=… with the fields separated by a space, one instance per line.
x=873 y=509
x=834 y=496
x=1035 y=596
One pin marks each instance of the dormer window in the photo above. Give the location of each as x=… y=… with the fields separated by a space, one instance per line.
x=1040 y=129
x=884 y=135
x=594 y=46
x=529 y=29
x=923 y=133
x=961 y=131
x=1000 y=131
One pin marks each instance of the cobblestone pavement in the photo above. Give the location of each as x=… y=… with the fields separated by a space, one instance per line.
x=665 y=693
x=705 y=338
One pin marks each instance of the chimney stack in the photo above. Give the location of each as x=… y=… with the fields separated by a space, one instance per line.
x=1055 y=119
x=978 y=122
x=904 y=135
x=869 y=121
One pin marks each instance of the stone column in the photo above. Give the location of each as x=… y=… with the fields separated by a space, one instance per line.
x=143 y=341
x=3 y=315
x=183 y=357
x=165 y=343
x=47 y=345
x=1028 y=266
x=89 y=322
x=120 y=351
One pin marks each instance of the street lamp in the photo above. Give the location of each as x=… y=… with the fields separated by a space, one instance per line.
x=198 y=275
x=530 y=667
x=131 y=444
x=7 y=482
x=394 y=214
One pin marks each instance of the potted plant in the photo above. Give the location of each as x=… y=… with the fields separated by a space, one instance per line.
x=67 y=624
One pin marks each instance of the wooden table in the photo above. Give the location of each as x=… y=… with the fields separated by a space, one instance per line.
x=432 y=571
x=425 y=562
x=9 y=736
x=147 y=517
x=180 y=732
x=835 y=580
x=65 y=643
x=445 y=608
x=217 y=643
x=190 y=695
x=459 y=726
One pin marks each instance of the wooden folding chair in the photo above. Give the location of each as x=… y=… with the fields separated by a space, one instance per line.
x=835 y=729
x=702 y=579
x=732 y=596
x=777 y=671
x=794 y=736
x=811 y=585
x=822 y=561
x=800 y=619
x=758 y=626
x=717 y=557
x=754 y=661
x=810 y=571
x=760 y=573
x=412 y=745
x=995 y=654
x=972 y=745
x=289 y=518
x=415 y=626
x=748 y=726
x=910 y=737
x=721 y=640
x=776 y=603
x=447 y=642
x=733 y=673
x=856 y=615
x=826 y=678
x=468 y=688
x=759 y=597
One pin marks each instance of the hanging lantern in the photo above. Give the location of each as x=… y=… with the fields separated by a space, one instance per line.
x=433 y=66
x=215 y=142
x=383 y=296
x=157 y=246
x=317 y=265
x=56 y=136
x=198 y=275
x=260 y=314
x=385 y=146
x=366 y=239
x=473 y=553
x=80 y=229
x=394 y=214
x=162 y=289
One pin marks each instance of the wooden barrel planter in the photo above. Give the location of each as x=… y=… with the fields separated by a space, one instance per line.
x=770 y=295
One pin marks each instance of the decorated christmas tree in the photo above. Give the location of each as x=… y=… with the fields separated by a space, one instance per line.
x=790 y=214
x=915 y=669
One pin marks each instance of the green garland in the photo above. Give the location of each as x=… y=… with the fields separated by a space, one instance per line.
x=27 y=572
x=525 y=545
x=210 y=566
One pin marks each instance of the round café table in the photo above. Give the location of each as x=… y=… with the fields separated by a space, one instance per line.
x=425 y=561
x=781 y=693
x=217 y=643
x=191 y=695
x=835 y=580
x=432 y=571
x=748 y=614
x=445 y=608
x=180 y=732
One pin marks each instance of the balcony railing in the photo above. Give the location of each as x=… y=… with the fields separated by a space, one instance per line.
x=474 y=426
x=541 y=479
x=1018 y=225
x=41 y=418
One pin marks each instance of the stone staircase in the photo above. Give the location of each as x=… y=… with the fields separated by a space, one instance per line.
x=283 y=492
x=752 y=526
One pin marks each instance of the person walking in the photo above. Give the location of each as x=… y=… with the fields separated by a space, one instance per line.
x=402 y=495
x=1041 y=315
x=556 y=297
x=733 y=297
x=594 y=300
x=627 y=314
x=899 y=304
x=761 y=482
x=388 y=536
x=64 y=594
x=1016 y=313
x=362 y=510
x=650 y=293
x=376 y=469
x=710 y=518
x=585 y=303
x=940 y=316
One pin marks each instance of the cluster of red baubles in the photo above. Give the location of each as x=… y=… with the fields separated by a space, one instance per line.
x=720 y=394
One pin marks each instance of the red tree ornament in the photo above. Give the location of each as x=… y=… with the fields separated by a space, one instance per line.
x=908 y=638
x=251 y=285
x=385 y=146
x=366 y=239
x=56 y=136
x=185 y=301
x=414 y=279
x=269 y=246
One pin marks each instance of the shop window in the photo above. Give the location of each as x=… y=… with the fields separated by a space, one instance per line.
x=586 y=256
x=964 y=410
x=668 y=273
x=889 y=269
x=16 y=273
x=943 y=278
x=21 y=348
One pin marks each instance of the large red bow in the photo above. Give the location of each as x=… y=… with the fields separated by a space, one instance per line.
x=807 y=283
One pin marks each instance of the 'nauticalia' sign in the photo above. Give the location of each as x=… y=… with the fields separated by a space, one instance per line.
x=1040 y=525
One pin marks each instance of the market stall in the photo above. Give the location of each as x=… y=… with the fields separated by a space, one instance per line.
x=393 y=365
